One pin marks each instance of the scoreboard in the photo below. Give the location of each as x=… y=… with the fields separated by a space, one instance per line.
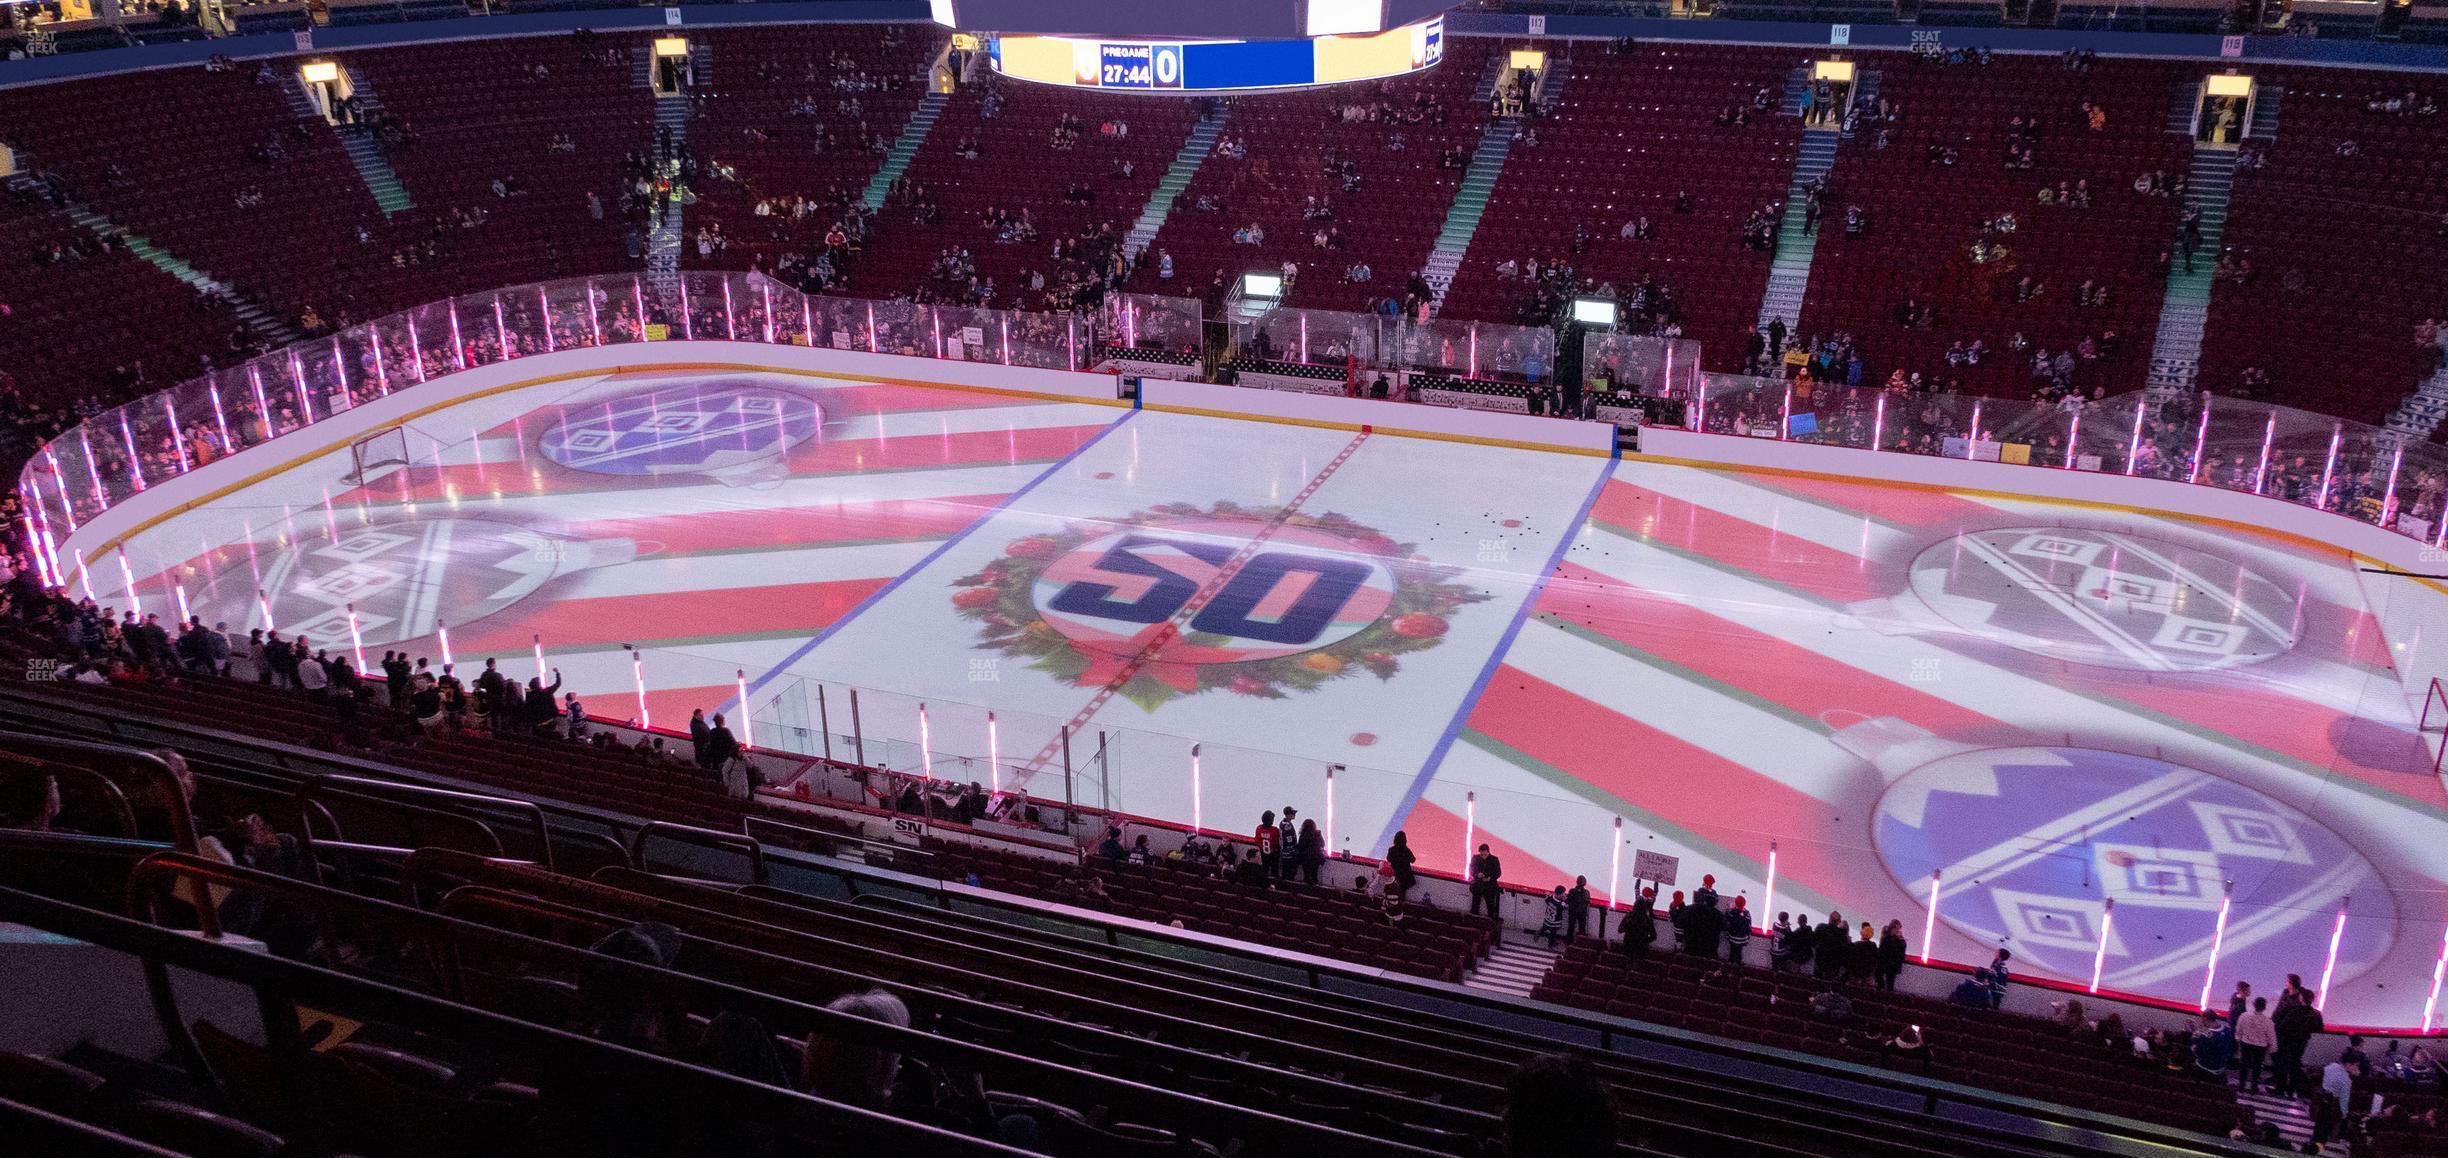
x=1217 y=65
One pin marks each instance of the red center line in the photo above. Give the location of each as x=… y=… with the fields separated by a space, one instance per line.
x=1171 y=629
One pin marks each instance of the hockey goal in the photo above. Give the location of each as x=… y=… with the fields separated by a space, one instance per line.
x=377 y=454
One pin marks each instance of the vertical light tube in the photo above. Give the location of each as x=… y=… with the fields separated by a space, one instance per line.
x=747 y=718
x=544 y=311
x=637 y=675
x=766 y=292
x=1330 y=844
x=730 y=325
x=221 y=418
x=637 y=294
x=501 y=329
x=1474 y=350
x=178 y=435
x=263 y=603
x=263 y=407
x=1198 y=814
x=2337 y=936
x=1005 y=323
x=1767 y=911
x=594 y=316
x=356 y=637
x=2269 y=434
x=458 y=344
x=2073 y=436
x=127 y=575
x=807 y=321
x=84 y=573
x=1785 y=416
x=871 y=330
x=1304 y=337
x=2337 y=434
x=382 y=378
x=1929 y=924
x=1470 y=829
x=2218 y=941
x=1878 y=422
x=1130 y=324
x=994 y=755
x=416 y=351
x=442 y=635
x=1071 y=341
x=2388 y=505
x=2099 y=956
x=926 y=746
x=1699 y=416
x=2133 y=442
x=2201 y=439
x=305 y=397
x=185 y=613
x=1615 y=865
x=127 y=434
x=340 y=375
x=93 y=473
x=2439 y=970
x=688 y=313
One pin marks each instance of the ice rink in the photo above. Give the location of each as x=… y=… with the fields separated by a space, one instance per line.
x=2033 y=707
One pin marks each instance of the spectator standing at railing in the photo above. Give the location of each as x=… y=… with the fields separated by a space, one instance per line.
x=1738 y=930
x=1312 y=851
x=1400 y=861
x=1576 y=910
x=395 y=677
x=1270 y=845
x=1486 y=870
x=1999 y=976
x=1828 y=943
x=1892 y=951
x=536 y=710
x=1640 y=926
x=1289 y=831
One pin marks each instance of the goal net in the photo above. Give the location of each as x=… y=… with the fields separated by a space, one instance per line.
x=377 y=454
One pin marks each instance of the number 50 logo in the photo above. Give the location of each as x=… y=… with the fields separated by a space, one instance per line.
x=1305 y=591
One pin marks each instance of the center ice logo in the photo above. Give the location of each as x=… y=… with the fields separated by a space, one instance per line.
x=735 y=432
x=1180 y=600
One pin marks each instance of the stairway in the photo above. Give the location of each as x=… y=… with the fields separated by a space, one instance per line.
x=2294 y=1119
x=2176 y=350
x=922 y=121
x=1513 y=969
x=1797 y=82
x=1866 y=93
x=1479 y=180
x=364 y=154
x=1469 y=205
x=2422 y=411
x=1789 y=273
x=267 y=326
x=670 y=235
x=2267 y=98
x=1194 y=152
x=2183 y=105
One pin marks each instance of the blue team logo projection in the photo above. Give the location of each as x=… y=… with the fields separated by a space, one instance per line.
x=2102 y=598
x=735 y=431
x=2031 y=840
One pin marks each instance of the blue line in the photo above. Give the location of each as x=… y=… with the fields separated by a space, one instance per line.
x=759 y=683
x=1521 y=615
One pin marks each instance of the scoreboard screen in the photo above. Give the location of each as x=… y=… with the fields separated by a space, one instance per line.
x=1218 y=65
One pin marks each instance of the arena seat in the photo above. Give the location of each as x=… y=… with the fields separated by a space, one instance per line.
x=1016 y=168
x=1390 y=220
x=1634 y=126
x=1923 y=219
x=2342 y=251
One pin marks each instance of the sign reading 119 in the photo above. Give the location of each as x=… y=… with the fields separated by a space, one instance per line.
x=1139 y=66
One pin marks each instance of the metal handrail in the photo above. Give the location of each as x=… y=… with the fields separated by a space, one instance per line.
x=308 y=792
x=280 y=984
x=703 y=836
